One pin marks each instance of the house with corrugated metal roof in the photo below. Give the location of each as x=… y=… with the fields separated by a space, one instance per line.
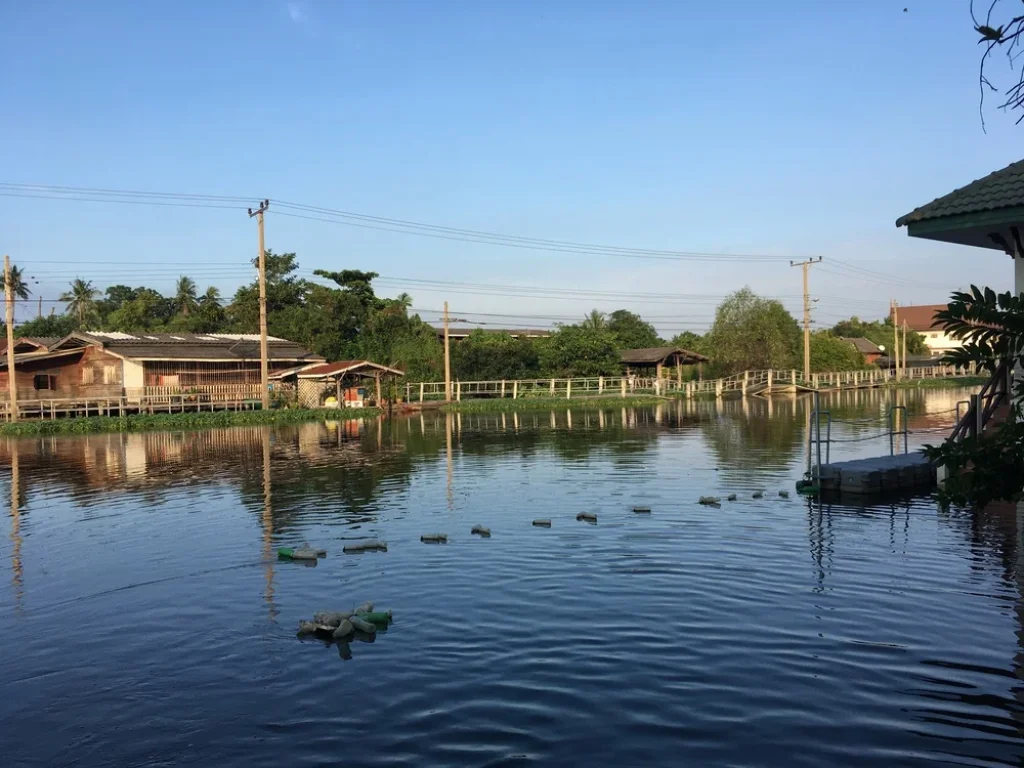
x=111 y=364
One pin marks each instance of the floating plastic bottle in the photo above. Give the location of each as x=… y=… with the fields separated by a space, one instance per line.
x=642 y=510
x=364 y=607
x=289 y=553
x=434 y=538
x=331 y=618
x=344 y=629
x=710 y=501
x=758 y=494
x=542 y=523
x=588 y=517
x=363 y=625
x=369 y=545
x=731 y=497
x=377 y=617
x=480 y=530
x=784 y=494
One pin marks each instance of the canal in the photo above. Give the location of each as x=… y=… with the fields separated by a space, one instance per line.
x=146 y=620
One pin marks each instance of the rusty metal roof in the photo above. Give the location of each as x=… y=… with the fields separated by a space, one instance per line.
x=345 y=366
x=655 y=355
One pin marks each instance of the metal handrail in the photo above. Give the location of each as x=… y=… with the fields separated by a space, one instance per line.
x=984 y=404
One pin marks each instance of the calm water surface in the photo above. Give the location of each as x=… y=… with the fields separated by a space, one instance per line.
x=145 y=620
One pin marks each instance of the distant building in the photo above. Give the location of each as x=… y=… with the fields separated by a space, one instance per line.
x=461 y=332
x=866 y=347
x=103 y=364
x=921 y=318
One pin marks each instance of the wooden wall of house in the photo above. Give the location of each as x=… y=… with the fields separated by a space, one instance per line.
x=92 y=374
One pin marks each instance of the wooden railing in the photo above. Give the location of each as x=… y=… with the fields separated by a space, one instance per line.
x=231 y=391
x=747 y=382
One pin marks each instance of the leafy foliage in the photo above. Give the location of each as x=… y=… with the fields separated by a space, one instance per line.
x=753 y=333
x=631 y=332
x=985 y=468
x=575 y=350
x=829 y=353
x=880 y=332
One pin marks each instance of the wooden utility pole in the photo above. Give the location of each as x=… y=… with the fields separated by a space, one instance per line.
x=447 y=360
x=895 y=356
x=11 y=377
x=806 y=265
x=264 y=355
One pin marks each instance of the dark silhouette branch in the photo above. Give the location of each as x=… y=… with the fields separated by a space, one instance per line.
x=1008 y=37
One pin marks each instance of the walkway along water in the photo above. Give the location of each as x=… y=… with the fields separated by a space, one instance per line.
x=745 y=383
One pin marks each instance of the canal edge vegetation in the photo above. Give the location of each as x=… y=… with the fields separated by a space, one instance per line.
x=144 y=422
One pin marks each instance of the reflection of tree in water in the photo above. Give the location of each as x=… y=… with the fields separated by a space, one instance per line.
x=755 y=432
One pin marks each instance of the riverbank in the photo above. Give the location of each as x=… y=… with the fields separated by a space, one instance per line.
x=951 y=383
x=176 y=421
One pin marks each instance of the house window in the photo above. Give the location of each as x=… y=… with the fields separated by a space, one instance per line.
x=110 y=374
x=934 y=335
x=88 y=375
x=44 y=381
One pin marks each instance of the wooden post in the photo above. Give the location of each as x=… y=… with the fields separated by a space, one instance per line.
x=623 y=386
x=376 y=382
x=552 y=388
x=746 y=378
x=718 y=388
x=421 y=391
x=12 y=378
x=337 y=389
x=458 y=391
x=600 y=384
x=679 y=372
x=568 y=388
x=408 y=390
x=515 y=389
x=264 y=355
x=502 y=389
x=771 y=373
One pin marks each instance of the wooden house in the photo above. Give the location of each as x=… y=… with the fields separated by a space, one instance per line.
x=102 y=364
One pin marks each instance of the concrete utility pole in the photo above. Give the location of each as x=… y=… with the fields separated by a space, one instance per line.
x=895 y=356
x=447 y=360
x=904 y=354
x=264 y=355
x=11 y=378
x=806 y=265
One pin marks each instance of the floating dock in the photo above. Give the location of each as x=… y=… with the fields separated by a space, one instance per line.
x=905 y=471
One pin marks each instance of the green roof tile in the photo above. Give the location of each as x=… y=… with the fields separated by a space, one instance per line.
x=1001 y=189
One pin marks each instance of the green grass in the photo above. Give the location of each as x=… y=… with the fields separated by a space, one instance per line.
x=175 y=421
x=549 y=403
x=950 y=383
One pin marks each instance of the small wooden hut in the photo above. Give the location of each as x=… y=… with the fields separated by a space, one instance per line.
x=652 y=361
x=345 y=381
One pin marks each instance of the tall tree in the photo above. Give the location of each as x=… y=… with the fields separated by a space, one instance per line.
x=19 y=288
x=595 y=321
x=81 y=301
x=752 y=333
x=630 y=330
x=185 y=296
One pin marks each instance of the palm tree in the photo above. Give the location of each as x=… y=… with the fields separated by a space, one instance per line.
x=185 y=295
x=211 y=297
x=81 y=300
x=594 y=321
x=19 y=288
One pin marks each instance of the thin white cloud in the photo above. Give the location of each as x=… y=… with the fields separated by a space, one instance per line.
x=297 y=13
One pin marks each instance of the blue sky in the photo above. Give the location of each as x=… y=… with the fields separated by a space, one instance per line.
x=778 y=128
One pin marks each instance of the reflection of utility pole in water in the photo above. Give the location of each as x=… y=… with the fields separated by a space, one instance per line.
x=268 y=527
x=448 y=445
x=17 y=571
